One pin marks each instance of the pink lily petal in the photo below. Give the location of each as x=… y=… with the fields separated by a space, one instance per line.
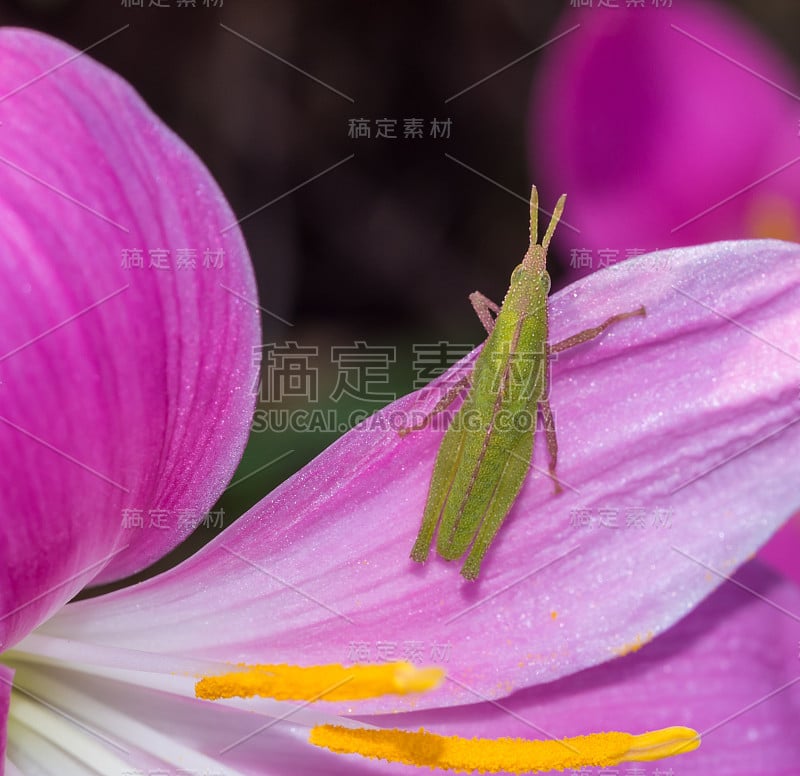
x=653 y=119
x=747 y=629
x=151 y=419
x=729 y=669
x=687 y=415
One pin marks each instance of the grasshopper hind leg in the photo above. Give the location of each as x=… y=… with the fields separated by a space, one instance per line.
x=552 y=442
x=447 y=399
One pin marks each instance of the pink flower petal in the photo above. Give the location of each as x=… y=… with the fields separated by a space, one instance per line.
x=649 y=118
x=123 y=389
x=686 y=417
x=729 y=669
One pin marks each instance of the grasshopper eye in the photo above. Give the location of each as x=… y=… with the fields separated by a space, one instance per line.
x=546 y=283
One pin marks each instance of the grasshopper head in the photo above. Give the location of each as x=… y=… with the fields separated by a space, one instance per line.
x=527 y=277
x=536 y=256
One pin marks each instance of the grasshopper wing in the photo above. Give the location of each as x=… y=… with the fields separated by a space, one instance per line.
x=448 y=460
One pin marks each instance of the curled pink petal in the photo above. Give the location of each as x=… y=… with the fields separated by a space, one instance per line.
x=156 y=731
x=109 y=464
x=666 y=126
x=783 y=549
x=678 y=439
x=6 y=678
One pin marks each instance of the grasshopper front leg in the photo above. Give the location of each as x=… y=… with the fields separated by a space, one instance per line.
x=484 y=307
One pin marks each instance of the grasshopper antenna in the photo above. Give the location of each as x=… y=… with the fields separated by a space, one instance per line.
x=534 y=216
x=554 y=219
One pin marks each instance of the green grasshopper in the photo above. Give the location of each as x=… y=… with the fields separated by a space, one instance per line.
x=482 y=463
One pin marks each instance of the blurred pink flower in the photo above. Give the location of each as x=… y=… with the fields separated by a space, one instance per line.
x=668 y=126
x=127 y=390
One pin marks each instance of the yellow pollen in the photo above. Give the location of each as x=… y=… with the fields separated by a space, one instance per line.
x=634 y=646
x=513 y=755
x=332 y=682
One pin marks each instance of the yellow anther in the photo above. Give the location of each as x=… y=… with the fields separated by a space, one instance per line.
x=513 y=755
x=659 y=744
x=332 y=682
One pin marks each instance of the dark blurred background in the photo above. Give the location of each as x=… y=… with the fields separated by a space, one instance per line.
x=384 y=247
